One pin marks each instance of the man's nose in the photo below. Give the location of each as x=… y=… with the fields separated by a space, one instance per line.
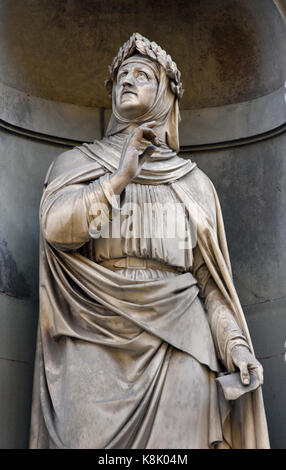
x=128 y=80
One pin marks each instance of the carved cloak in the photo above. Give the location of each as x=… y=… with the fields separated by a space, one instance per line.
x=86 y=309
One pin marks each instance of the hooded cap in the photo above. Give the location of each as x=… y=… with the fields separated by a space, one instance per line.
x=165 y=109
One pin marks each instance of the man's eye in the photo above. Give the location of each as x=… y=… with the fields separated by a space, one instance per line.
x=122 y=74
x=142 y=75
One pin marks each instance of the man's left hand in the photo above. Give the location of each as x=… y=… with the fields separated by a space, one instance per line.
x=246 y=361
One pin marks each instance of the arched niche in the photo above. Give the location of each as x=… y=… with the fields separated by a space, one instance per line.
x=53 y=64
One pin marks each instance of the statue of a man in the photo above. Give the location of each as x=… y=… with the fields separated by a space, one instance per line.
x=136 y=320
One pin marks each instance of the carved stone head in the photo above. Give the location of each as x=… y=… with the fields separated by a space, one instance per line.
x=138 y=44
x=145 y=86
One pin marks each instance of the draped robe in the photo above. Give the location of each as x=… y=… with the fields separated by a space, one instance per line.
x=131 y=362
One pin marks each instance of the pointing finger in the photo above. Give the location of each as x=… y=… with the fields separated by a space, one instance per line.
x=150 y=135
x=146 y=133
x=149 y=124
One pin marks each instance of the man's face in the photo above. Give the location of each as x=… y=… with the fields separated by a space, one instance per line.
x=135 y=89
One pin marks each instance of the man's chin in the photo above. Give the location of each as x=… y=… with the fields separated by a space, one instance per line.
x=130 y=110
x=128 y=100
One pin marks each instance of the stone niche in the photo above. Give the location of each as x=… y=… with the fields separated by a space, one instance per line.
x=53 y=63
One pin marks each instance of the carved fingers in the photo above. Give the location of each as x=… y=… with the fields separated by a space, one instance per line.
x=146 y=155
x=131 y=161
x=246 y=363
x=144 y=131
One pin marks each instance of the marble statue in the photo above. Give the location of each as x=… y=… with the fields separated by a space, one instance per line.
x=142 y=342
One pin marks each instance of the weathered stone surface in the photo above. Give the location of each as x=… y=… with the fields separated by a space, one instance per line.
x=49 y=117
x=267 y=324
x=11 y=281
x=233 y=121
x=23 y=165
x=250 y=184
x=228 y=50
x=18 y=319
x=15 y=407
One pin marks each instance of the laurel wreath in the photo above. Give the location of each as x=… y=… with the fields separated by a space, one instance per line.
x=150 y=49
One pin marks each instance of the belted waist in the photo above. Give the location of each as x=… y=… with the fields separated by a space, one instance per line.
x=132 y=262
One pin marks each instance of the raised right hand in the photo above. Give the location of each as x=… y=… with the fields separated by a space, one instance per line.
x=131 y=161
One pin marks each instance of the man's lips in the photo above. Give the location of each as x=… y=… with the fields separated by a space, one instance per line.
x=128 y=91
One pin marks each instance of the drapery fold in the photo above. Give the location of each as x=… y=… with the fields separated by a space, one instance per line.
x=109 y=347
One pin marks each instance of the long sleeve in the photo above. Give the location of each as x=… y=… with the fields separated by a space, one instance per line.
x=225 y=331
x=78 y=212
